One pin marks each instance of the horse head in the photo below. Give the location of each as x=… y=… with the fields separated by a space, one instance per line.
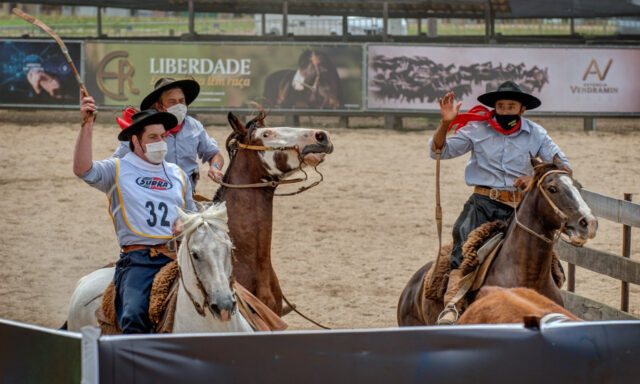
x=308 y=72
x=204 y=259
x=562 y=206
x=282 y=150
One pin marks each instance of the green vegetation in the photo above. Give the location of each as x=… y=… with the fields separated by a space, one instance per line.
x=212 y=24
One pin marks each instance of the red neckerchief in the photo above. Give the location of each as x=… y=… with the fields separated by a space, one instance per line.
x=480 y=113
x=174 y=131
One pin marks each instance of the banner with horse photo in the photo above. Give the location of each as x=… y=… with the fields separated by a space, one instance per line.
x=36 y=73
x=566 y=80
x=278 y=76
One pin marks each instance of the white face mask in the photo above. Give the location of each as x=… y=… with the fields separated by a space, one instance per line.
x=179 y=111
x=156 y=152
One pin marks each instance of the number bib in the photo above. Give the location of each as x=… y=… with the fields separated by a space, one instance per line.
x=148 y=198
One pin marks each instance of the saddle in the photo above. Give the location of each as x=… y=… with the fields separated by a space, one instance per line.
x=478 y=253
x=162 y=306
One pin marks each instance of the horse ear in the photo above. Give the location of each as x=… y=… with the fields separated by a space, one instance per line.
x=535 y=160
x=236 y=125
x=181 y=215
x=557 y=161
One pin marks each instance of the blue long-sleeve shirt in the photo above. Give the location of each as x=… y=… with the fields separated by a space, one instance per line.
x=189 y=144
x=497 y=160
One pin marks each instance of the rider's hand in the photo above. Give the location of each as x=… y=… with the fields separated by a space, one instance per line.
x=88 y=108
x=448 y=107
x=214 y=173
x=177 y=227
x=523 y=182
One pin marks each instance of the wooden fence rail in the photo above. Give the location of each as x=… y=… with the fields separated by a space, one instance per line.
x=606 y=263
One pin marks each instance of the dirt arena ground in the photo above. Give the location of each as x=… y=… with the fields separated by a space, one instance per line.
x=343 y=250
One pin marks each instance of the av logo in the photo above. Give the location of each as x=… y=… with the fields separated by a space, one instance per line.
x=593 y=69
x=125 y=73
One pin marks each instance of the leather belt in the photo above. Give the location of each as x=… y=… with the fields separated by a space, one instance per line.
x=154 y=250
x=501 y=195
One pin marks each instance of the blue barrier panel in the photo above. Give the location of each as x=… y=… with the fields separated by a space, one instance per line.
x=570 y=353
x=30 y=354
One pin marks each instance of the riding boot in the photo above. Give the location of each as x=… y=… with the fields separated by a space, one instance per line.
x=449 y=314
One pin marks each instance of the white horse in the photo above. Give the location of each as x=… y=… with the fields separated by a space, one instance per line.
x=205 y=257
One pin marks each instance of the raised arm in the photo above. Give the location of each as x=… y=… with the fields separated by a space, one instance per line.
x=82 y=156
x=448 y=111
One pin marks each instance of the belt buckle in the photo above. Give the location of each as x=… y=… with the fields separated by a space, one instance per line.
x=494 y=194
x=172 y=245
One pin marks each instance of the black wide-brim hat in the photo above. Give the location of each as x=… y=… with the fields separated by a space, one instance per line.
x=509 y=91
x=191 y=89
x=148 y=117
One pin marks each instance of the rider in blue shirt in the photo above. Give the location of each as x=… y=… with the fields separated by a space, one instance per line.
x=188 y=141
x=501 y=143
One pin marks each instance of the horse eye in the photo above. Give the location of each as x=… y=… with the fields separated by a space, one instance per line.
x=266 y=134
x=552 y=189
x=195 y=255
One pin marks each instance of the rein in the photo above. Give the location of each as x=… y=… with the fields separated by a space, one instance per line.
x=555 y=208
x=438 y=214
x=275 y=183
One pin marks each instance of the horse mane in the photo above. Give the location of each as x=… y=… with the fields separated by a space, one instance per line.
x=215 y=216
x=234 y=138
x=538 y=171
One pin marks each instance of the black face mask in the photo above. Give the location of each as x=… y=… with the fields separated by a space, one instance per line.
x=508 y=122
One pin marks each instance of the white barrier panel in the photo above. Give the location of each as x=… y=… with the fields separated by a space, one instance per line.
x=575 y=79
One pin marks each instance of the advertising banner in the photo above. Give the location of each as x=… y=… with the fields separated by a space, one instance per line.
x=304 y=77
x=564 y=79
x=36 y=73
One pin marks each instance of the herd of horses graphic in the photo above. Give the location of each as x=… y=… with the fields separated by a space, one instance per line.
x=418 y=78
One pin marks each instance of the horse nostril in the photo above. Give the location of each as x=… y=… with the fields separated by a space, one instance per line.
x=583 y=223
x=321 y=137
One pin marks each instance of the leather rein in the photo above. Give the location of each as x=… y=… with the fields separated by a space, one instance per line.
x=563 y=217
x=275 y=183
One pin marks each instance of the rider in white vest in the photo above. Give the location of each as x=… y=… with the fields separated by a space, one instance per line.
x=188 y=140
x=143 y=191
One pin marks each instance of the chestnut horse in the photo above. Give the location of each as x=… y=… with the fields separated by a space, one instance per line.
x=551 y=205
x=260 y=159
x=496 y=305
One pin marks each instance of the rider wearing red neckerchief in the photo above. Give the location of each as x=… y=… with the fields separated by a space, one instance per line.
x=501 y=143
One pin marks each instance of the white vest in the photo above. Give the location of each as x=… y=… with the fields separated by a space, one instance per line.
x=148 y=198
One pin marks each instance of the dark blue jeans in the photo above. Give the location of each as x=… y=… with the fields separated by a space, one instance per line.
x=477 y=211
x=133 y=278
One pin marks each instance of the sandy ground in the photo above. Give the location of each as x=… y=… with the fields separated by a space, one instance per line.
x=343 y=250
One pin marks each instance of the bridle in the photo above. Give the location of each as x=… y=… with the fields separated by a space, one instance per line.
x=563 y=217
x=237 y=145
x=200 y=308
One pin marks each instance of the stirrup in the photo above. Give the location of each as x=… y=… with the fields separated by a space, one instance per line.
x=450 y=308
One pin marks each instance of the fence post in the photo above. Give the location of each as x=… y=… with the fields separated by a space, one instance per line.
x=589 y=124
x=626 y=252
x=571 y=278
x=343 y=122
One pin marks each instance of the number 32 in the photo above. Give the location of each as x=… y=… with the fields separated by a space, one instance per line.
x=153 y=220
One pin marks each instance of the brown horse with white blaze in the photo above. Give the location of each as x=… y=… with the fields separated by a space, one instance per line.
x=552 y=205
x=261 y=158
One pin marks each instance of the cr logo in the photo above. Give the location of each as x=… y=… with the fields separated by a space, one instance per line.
x=593 y=69
x=125 y=73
